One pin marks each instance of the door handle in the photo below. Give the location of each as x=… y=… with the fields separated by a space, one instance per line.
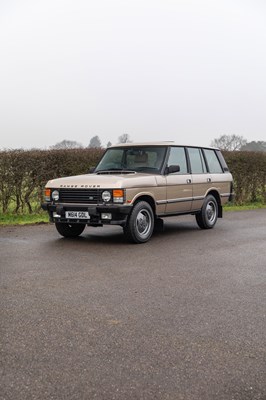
x=188 y=180
x=209 y=180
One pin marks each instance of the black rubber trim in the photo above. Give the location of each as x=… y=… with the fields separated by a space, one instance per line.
x=95 y=209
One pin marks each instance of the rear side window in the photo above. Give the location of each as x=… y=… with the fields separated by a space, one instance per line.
x=177 y=156
x=213 y=162
x=196 y=161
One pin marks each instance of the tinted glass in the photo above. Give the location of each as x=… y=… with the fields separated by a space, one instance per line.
x=139 y=159
x=178 y=157
x=213 y=162
x=196 y=161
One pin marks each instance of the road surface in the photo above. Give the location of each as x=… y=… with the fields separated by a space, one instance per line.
x=180 y=317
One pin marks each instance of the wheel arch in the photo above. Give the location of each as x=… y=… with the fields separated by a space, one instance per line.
x=217 y=197
x=149 y=199
x=140 y=223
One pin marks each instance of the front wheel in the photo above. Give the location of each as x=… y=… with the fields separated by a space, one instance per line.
x=140 y=224
x=207 y=217
x=69 y=230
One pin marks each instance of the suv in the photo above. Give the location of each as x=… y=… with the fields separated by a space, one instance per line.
x=135 y=185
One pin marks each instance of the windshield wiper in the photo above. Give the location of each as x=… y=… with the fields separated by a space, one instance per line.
x=146 y=169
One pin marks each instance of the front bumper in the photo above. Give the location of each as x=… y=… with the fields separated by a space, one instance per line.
x=119 y=213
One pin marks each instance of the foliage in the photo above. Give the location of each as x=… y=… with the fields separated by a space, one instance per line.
x=24 y=173
x=125 y=138
x=249 y=173
x=95 y=142
x=246 y=206
x=23 y=219
x=254 y=146
x=66 y=144
x=229 y=142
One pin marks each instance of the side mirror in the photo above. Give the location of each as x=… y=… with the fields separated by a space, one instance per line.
x=172 y=169
x=91 y=170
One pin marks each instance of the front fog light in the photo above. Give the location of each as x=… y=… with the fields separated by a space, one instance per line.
x=106 y=196
x=55 y=195
x=106 y=216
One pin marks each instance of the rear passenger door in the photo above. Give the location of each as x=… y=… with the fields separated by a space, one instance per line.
x=179 y=184
x=218 y=177
x=201 y=178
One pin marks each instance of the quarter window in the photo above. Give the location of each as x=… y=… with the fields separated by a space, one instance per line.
x=177 y=156
x=213 y=162
x=196 y=161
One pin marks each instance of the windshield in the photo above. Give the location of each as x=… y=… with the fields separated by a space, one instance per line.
x=136 y=159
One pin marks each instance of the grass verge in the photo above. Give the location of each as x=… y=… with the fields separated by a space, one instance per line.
x=23 y=219
x=42 y=217
x=251 y=206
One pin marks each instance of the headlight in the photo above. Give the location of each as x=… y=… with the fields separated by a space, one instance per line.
x=106 y=196
x=55 y=195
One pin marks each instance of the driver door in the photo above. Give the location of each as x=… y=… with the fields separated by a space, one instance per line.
x=179 y=184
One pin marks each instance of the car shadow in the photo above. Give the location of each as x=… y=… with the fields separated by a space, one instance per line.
x=114 y=236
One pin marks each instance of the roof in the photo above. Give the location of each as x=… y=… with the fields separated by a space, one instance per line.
x=162 y=143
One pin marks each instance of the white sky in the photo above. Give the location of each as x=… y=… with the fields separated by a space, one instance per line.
x=183 y=70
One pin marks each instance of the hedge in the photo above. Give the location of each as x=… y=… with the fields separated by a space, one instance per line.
x=249 y=173
x=24 y=173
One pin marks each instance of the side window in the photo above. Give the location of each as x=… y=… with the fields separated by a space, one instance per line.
x=213 y=162
x=196 y=161
x=177 y=156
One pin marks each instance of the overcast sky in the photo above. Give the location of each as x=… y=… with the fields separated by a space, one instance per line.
x=183 y=70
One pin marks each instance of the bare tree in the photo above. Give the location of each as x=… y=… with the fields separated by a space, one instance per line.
x=109 y=144
x=229 y=142
x=125 y=138
x=66 y=144
x=95 y=142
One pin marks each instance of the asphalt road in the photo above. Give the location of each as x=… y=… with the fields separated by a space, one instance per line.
x=180 y=317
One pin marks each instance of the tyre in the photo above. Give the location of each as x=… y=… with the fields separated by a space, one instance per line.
x=208 y=215
x=69 y=230
x=140 y=224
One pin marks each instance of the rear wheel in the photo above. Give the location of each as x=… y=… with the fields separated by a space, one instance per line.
x=208 y=215
x=140 y=224
x=69 y=230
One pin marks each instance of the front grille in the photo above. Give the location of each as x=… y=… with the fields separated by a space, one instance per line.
x=80 y=196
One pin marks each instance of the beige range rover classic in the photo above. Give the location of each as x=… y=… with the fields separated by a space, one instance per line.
x=135 y=185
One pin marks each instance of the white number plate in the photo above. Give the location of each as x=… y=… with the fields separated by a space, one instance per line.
x=77 y=215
